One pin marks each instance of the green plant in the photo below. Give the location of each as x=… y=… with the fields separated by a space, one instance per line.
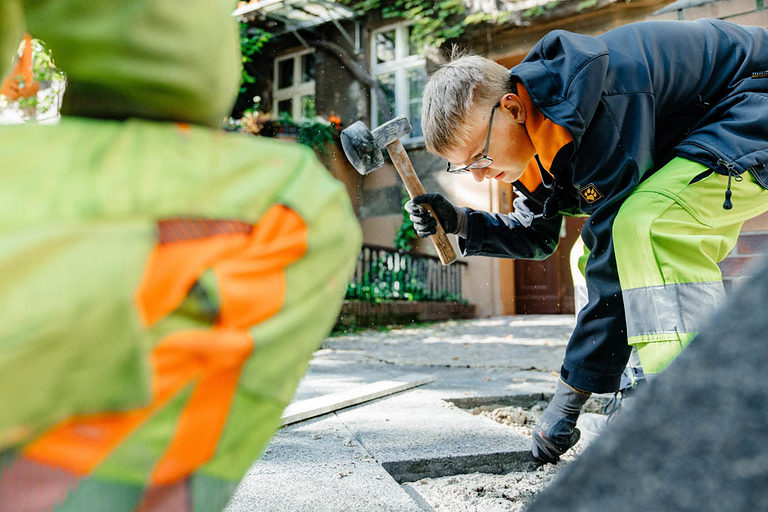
x=316 y=134
x=398 y=276
x=252 y=40
x=406 y=234
x=586 y=4
x=434 y=21
x=340 y=329
x=540 y=10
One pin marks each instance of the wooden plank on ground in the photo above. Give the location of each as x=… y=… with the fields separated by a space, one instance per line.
x=305 y=409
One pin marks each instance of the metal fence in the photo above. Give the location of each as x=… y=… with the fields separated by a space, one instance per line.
x=383 y=273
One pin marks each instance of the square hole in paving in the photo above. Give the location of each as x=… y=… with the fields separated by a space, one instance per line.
x=520 y=412
x=505 y=481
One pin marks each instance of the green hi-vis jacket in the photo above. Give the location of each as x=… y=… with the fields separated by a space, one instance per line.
x=163 y=289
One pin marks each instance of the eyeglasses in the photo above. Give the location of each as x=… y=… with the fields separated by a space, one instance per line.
x=482 y=162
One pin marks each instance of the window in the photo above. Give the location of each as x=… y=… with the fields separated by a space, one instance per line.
x=400 y=69
x=294 y=85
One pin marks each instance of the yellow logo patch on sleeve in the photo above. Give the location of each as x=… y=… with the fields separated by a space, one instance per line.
x=590 y=193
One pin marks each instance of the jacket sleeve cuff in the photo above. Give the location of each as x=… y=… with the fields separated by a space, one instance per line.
x=471 y=244
x=461 y=223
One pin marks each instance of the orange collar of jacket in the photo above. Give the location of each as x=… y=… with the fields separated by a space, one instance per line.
x=548 y=138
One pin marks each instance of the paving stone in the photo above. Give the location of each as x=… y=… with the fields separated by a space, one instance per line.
x=335 y=462
x=418 y=425
x=318 y=466
x=518 y=342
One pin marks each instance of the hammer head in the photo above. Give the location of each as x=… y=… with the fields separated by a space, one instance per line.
x=363 y=147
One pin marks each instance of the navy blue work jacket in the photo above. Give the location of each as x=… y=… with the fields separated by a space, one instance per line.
x=632 y=99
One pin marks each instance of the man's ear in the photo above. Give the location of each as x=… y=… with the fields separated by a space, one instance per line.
x=512 y=103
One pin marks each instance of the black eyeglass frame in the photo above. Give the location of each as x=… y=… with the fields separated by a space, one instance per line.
x=484 y=160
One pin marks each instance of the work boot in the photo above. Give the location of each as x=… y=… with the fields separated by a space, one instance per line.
x=556 y=430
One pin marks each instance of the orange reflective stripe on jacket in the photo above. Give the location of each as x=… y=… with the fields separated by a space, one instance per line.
x=249 y=262
x=215 y=359
x=253 y=286
x=210 y=360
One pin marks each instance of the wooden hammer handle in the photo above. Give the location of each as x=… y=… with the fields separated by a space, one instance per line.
x=415 y=188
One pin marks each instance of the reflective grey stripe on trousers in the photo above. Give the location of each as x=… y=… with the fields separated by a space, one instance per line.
x=670 y=308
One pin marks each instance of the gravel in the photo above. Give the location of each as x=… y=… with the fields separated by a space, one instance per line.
x=510 y=492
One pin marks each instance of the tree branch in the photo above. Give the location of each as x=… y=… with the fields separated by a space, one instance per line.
x=358 y=71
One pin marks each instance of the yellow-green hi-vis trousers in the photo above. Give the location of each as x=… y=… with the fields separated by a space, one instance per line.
x=669 y=237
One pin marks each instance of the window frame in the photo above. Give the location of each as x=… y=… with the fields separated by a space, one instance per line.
x=402 y=63
x=295 y=91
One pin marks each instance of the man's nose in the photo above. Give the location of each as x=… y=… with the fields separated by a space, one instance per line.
x=478 y=174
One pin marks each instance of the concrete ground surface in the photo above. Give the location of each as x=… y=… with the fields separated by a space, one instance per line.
x=370 y=457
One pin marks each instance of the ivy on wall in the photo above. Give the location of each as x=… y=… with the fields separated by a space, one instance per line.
x=434 y=21
x=252 y=41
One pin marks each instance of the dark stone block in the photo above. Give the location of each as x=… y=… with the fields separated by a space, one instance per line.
x=695 y=437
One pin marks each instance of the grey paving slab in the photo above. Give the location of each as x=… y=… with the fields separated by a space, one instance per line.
x=318 y=466
x=419 y=425
x=450 y=382
x=468 y=356
x=522 y=342
x=335 y=461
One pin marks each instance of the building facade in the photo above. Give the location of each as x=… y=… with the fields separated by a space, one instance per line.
x=318 y=63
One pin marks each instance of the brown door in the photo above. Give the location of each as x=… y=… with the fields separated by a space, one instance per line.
x=507 y=266
x=537 y=286
x=546 y=286
x=529 y=287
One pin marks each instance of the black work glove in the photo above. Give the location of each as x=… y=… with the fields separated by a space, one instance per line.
x=450 y=216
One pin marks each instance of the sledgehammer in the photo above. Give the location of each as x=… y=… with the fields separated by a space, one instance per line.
x=363 y=149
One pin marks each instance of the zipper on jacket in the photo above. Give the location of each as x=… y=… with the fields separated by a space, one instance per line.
x=732 y=173
x=754 y=170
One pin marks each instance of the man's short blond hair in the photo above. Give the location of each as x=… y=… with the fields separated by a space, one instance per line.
x=464 y=83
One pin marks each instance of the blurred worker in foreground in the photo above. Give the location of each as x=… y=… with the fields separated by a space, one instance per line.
x=164 y=283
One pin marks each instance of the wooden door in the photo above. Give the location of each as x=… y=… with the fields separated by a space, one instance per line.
x=538 y=287
x=507 y=266
x=547 y=286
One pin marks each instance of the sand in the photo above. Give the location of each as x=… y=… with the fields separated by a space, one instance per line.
x=511 y=492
